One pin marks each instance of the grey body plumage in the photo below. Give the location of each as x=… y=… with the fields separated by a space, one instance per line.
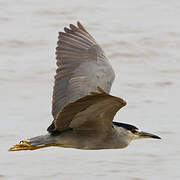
x=118 y=137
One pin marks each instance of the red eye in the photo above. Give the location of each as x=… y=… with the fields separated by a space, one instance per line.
x=133 y=131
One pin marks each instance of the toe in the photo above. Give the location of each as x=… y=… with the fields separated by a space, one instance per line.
x=23 y=145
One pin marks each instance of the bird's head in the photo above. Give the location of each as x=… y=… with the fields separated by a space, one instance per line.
x=134 y=132
x=137 y=134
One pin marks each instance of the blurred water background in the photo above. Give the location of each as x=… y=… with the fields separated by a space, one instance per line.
x=141 y=39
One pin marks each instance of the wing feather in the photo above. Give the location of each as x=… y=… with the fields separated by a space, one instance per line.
x=82 y=67
x=92 y=112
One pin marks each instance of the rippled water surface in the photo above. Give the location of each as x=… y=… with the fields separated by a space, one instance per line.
x=142 y=40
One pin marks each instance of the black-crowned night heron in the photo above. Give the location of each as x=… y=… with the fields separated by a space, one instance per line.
x=83 y=110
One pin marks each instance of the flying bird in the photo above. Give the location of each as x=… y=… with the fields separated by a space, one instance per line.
x=82 y=108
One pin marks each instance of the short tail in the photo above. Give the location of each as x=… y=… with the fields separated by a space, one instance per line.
x=41 y=140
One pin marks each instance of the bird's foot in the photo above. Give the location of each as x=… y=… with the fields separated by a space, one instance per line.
x=23 y=145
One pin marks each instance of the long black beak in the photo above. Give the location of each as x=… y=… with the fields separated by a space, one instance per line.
x=148 y=135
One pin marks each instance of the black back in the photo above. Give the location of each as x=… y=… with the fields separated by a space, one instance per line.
x=126 y=126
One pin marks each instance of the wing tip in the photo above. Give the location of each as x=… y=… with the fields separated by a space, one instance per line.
x=80 y=26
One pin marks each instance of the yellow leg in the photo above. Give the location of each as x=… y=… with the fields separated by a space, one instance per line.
x=26 y=145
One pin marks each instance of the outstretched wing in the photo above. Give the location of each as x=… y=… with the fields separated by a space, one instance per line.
x=92 y=112
x=82 y=67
